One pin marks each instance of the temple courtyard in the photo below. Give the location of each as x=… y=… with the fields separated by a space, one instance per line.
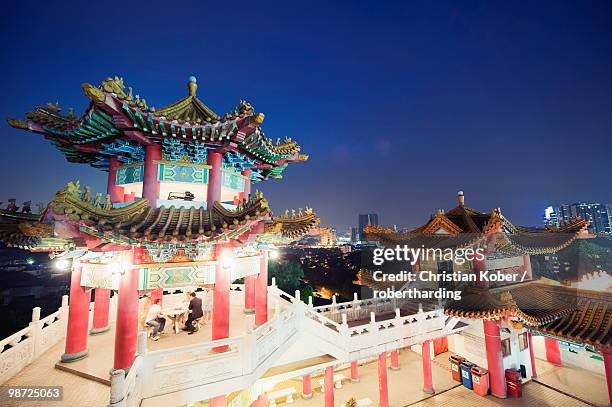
x=86 y=382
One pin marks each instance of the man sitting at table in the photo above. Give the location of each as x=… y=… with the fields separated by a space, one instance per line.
x=195 y=312
x=156 y=319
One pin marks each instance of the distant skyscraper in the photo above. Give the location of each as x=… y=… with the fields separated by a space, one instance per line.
x=367 y=219
x=354 y=235
x=598 y=215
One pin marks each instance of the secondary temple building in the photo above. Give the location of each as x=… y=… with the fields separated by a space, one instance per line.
x=505 y=320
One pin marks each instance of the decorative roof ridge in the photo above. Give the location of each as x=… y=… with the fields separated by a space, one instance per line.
x=440 y=220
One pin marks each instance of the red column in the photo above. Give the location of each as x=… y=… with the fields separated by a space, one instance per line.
x=218 y=401
x=553 y=354
x=527 y=266
x=157 y=294
x=329 y=386
x=532 y=356
x=426 y=358
x=395 y=360
x=306 y=387
x=214 y=178
x=608 y=366
x=383 y=389
x=115 y=192
x=247 y=182
x=497 y=379
x=354 y=371
x=249 y=294
x=126 y=333
x=261 y=291
x=478 y=266
x=262 y=401
x=78 y=317
x=221 y=306
x=150 y=185
x=100 y=316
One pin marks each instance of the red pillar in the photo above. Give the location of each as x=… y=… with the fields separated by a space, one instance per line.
x=354 y=371
x=261 y=291
x=478 y=266
x=157 y=294
x=218 y=401
x=262 y=401
x=221 y=306
x=395 y=360
x=214 y=178
x=150 y=185
x=115 y=192
x=100 y=316
x=247 y=182
x=78 y=317
x=249 y=294
x=329 y=386
x=527 y=266
x=608 y=366
x=383 y=389
x=306 y=387
x=497 y=379
x=532 y=356
x=126 y=333
x=426 y=358
x=553 y=354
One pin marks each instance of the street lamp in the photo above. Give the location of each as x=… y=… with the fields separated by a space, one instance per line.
x=62 y=264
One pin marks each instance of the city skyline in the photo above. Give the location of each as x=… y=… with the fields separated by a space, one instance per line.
x=472 y=98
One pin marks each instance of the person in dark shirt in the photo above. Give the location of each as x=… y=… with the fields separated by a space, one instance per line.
x=195 y=312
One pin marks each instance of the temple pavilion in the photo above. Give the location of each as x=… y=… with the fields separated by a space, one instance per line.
x=506 y=318
x=179 y=210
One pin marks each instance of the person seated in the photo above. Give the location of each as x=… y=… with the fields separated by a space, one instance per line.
x=155 y=319
x=195 y=312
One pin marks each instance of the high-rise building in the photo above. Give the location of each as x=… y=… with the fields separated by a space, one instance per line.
x=367 y=219
x=598 y=215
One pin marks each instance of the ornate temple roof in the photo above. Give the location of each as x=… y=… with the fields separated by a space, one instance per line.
x=531 y=302
x=463 y=226
x=137 y=222
x=25 y=231
x=590 y=323
x=140 y=222
x=120 y=124
x=292 y=226
x=572 y=314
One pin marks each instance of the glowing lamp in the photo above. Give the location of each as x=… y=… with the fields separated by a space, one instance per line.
x=62 y=264
x=274 y=254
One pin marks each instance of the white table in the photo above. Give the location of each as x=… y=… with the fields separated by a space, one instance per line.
x=337 y=382
x=174 y=315
x=287 y=393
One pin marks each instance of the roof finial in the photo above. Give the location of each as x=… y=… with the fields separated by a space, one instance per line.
x=460 y=198
x=192 y=85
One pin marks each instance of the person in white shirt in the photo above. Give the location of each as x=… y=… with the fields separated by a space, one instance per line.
x=156 y=319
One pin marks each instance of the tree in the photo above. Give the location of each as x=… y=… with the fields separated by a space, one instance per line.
x=287 y=274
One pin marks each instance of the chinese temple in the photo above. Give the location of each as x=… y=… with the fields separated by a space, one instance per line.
x=507 y=319
x=178 y=212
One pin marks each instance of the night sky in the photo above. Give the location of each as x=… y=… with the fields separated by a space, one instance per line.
x=398 y=105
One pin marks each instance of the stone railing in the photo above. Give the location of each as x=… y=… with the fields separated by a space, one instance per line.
x=357 y=309
x=23 y=347
x=223 y=365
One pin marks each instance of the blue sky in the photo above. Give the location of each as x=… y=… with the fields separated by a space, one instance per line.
x=398 y=104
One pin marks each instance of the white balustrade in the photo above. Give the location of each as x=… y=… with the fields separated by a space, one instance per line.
x=23 y=347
